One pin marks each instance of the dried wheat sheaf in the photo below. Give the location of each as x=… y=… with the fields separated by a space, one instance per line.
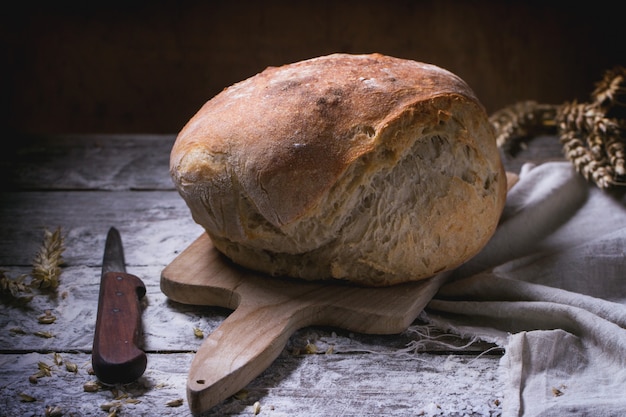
x=593 y=134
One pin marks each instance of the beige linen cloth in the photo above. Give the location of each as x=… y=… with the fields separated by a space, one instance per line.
x=550 y=288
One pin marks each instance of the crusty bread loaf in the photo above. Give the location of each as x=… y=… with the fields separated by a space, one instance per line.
x=365 y=168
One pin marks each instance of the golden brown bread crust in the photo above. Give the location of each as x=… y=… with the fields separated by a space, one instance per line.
x=277 y=167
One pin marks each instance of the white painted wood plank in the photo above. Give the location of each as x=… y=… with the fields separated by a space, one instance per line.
x=295 y=385
x=88 y=162
x=168 y=326
x=155 y=225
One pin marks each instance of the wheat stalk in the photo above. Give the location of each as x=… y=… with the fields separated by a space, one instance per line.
x=14 y=289
x=611 y=89
x=593 y=134
x=521 y=121
x=47 y=263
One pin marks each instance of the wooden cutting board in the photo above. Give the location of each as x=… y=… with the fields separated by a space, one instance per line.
x=267 y=311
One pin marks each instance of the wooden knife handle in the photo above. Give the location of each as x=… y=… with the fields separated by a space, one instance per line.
x=116 y=356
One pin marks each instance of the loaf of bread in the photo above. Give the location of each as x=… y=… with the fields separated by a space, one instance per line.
x=362 y=168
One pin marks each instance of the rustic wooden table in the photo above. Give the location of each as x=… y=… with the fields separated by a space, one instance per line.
x=84 y=184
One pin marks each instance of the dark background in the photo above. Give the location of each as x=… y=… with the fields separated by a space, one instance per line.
x=148 y=66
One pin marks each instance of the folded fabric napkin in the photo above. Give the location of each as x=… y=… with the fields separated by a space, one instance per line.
x=550 y=288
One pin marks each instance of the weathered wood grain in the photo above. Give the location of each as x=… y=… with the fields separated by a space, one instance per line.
x=86 y=184
x=155 y=225
x=87 y=162
x=295 y=385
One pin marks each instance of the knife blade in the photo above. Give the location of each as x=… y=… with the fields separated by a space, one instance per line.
x=116 y=355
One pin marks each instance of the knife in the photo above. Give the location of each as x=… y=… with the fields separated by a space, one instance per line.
x=116 y=357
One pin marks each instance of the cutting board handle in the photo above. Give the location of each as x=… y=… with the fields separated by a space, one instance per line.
x=268 y=310
x=242 y=347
